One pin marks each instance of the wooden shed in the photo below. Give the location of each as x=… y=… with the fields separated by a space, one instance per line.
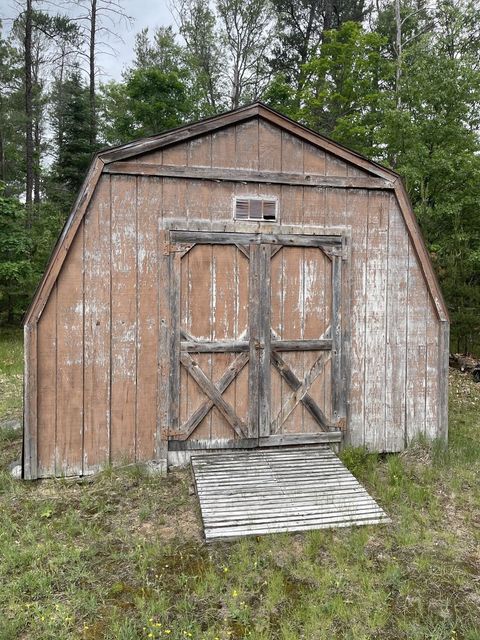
x=239 y=282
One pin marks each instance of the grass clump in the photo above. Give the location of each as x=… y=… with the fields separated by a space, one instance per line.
x=121 y=556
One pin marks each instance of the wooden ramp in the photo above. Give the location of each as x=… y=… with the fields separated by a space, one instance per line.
x=263 y=491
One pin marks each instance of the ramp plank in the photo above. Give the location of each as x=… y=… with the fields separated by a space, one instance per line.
x=262 y=491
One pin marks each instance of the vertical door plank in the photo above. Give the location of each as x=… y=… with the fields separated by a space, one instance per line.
x=175 y=391
x=396 y=330
x=124 y=319
x=314 y=324
x=223 y=326
x=376 y=289
x=265 y=350
x=97 y=331
x=149 y=193
x=199 y=310
x=277 y=310
x=337 y=380
x=254 y=321
x=47 y=386
x=185 y=325
x=69 y=442
x=293 y=325
x=242 y=279
x=326 y=374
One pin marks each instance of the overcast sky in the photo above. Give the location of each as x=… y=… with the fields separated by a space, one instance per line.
x=145 y=13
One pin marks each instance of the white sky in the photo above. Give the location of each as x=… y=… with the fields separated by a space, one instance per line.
x=145 y=13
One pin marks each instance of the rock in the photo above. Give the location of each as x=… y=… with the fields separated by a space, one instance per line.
x=15 y=469
x=12 y=424
x=156 y=468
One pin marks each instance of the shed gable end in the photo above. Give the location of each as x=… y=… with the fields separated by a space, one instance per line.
x=255 y=145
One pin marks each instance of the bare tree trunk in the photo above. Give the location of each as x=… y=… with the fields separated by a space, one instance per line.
x=28 y=110
x=36 y=158
x=93 y=115
x=398 y=45
x=3 y=169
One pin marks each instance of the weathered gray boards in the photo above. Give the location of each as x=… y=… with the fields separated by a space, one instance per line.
x=237 y=283
x=245 y=493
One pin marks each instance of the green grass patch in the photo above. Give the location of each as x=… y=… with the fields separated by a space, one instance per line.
x=120 y=556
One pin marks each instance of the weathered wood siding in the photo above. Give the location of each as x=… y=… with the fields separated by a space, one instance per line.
x=100 y=364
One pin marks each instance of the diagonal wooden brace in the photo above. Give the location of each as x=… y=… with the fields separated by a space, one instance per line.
x=210 y=390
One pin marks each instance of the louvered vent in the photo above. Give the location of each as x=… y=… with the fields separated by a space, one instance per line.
x=255 y=209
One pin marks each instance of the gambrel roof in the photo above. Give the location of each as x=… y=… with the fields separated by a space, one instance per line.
x=384 y=179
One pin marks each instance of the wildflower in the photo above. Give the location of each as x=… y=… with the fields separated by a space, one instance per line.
x=234 y=593
x=167 y=631
x=225 y=569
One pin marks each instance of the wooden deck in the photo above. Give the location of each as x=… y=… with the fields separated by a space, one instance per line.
x=245 y=493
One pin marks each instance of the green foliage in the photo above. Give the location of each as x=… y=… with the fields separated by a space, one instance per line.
x=24 y=250
x=71 y=126
x=11 y=117
x=16 y=271
x=149 y=102
x=345 y=96
x=432 y=140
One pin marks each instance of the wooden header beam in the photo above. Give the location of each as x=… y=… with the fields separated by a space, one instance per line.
x=235 y=175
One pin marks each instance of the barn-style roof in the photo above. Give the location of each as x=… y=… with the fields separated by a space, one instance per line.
x=104 y=158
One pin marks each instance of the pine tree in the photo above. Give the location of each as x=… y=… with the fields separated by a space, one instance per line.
x=71 y=125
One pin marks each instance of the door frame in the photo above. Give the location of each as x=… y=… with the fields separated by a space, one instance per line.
x=259 y=246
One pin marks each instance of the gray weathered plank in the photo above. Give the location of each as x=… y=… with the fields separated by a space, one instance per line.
x=266 y=491
x=235 y=175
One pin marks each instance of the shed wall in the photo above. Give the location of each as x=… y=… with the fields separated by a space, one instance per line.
x=99 y=365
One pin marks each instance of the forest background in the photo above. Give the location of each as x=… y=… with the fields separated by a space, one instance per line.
x=396 y=80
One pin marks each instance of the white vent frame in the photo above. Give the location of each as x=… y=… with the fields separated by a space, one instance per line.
x=259 y=199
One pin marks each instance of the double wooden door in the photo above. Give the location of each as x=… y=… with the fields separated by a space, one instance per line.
x=255 y=348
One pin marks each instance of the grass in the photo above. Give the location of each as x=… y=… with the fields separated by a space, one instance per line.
x=121 y=557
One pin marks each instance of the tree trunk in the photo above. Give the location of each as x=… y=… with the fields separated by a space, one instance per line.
x=93 y=115
x=36 y=159
x=398 y=45
x=3 y=169
x=28 y=111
